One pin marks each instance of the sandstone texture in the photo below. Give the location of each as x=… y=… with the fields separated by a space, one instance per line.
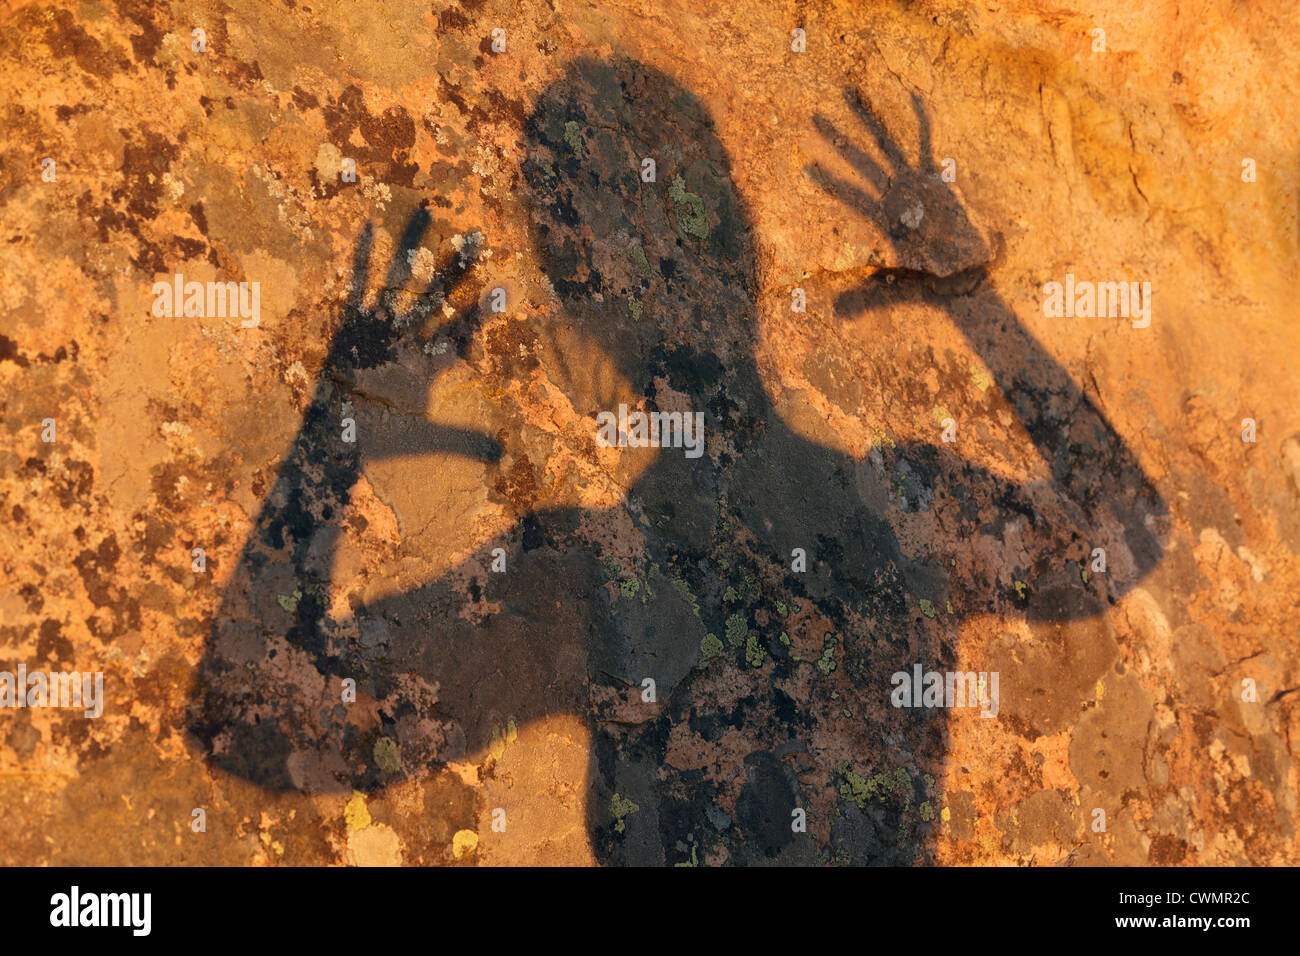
x=348 y=677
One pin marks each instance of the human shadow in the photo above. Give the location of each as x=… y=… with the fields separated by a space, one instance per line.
x=656 y=284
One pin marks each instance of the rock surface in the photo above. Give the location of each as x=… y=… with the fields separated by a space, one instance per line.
x=345 y=678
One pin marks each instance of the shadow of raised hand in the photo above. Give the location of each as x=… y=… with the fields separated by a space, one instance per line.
x=908 y=203
x=940 y=257
x=269 y=681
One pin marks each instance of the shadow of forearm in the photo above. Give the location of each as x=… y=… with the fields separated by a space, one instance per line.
x=1090 y=463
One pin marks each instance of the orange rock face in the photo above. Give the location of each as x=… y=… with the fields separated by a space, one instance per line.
x=989 y=316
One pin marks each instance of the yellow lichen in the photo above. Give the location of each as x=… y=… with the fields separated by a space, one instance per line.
x=464 y=843
x=355 y=813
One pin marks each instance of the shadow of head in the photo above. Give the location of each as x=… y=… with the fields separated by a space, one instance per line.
x=640 y=232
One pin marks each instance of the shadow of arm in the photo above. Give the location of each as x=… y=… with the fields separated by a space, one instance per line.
x=1090 y=463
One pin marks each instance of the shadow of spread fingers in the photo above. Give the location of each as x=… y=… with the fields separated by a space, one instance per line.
x=361 y=268
x=866 y=166
x=868 y=118
x=448 y=275
x=399 y=270
x=855 y=197
x=925 y=159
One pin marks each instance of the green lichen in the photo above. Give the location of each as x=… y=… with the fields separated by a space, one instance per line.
x=641 y=262
x=927 y=607
x=927 y=811
x=854 y=787
x=501 y=736
x=497 y=741
x=784 y=638
x=755 y=653
x=901 y=780
x=634 y=308
x=621 y=808
x=737 y=630
x=573 y=136
x=290 y=601
x=861 y=789
x=781 y=609
x=1021 y=588
x=689 y=208
x=684 y=590
x=387 y=757
x=629 y=587
x=827 y=662
x=710 y=647
x=691 y=862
